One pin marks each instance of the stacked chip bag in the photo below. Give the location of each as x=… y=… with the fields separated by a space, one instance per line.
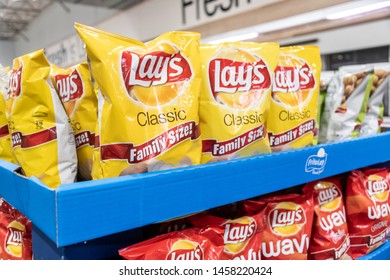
x=241 y=236
x=235 y=96
x=288 y=225
x=329 y=237
x=368 y=209
x=294 y=102
x=5 y=138
x=375 y=107
x=187 y=244
x=346 y=103
x=42 y=137
x=15 y=234
x=75 y=88
x=150 y=93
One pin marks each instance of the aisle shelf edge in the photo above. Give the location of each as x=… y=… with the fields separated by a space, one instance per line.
x=381 y=253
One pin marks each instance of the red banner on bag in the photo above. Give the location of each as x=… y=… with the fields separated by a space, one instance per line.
x=33 y=139
x=152 y=148
x=235 y=144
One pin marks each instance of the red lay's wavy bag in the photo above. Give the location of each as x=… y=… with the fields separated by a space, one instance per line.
x=288 y=223
x=329 y=238
x=148 y=101
x=241 y=236
x=368 y=209
x=15 y=234
x=187 y=244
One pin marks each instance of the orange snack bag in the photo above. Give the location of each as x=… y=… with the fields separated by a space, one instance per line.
x=42 y=137
x=148 y=113
x=288 y=223
x=75 y=88
x=235 y=96
x=368 y=209
x=188 y=244
x=15 y=234
x=329 y=238
x=294 y=102
x=241 y=236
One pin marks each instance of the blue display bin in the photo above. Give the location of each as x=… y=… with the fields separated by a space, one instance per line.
x=80 y=212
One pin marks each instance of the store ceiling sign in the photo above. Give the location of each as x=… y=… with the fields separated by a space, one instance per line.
x=66 y=53
x=195 y=12
x=315 y=164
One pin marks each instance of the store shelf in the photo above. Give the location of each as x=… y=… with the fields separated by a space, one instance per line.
x=382 y=253
x=83 y=211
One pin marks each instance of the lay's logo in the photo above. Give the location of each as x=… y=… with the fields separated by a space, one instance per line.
x=154 y=68
x=229 y=76
x=14 y=84
x=185 y=250
x=327 y=195
x=287 y=218
x=377 y=188
x=69 y=87
x=239 y=232
x=292 y=79
x=14 y=237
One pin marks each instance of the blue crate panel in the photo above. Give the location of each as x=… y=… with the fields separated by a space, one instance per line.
x=83 y=211
x=382 y=253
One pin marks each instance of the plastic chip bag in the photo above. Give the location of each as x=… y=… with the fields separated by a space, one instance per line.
x=77 y=93
x=235 y=96
x=42 y=137
x=148 y=113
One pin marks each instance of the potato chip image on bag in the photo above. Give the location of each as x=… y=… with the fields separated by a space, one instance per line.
x=149 y=111
x=234 y=102
x=368 y=209
x=77 y=93
x=294 y=102
x=329 y=238
x=42 y=137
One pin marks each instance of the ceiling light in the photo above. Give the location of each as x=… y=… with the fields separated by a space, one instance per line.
x=359 y=10
x=236 y=38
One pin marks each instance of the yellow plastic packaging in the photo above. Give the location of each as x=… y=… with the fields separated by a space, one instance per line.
x=42 y=137
x=77 y=93
x=148 y=109
x=235 y=98
x=5 y=139
x=294 y=102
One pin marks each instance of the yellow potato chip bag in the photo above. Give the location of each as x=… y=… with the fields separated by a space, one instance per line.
x=5 y=139
x=42 y=136
x=235 y=96
x=148 y=110
x=77 y=93
x=294 y=102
